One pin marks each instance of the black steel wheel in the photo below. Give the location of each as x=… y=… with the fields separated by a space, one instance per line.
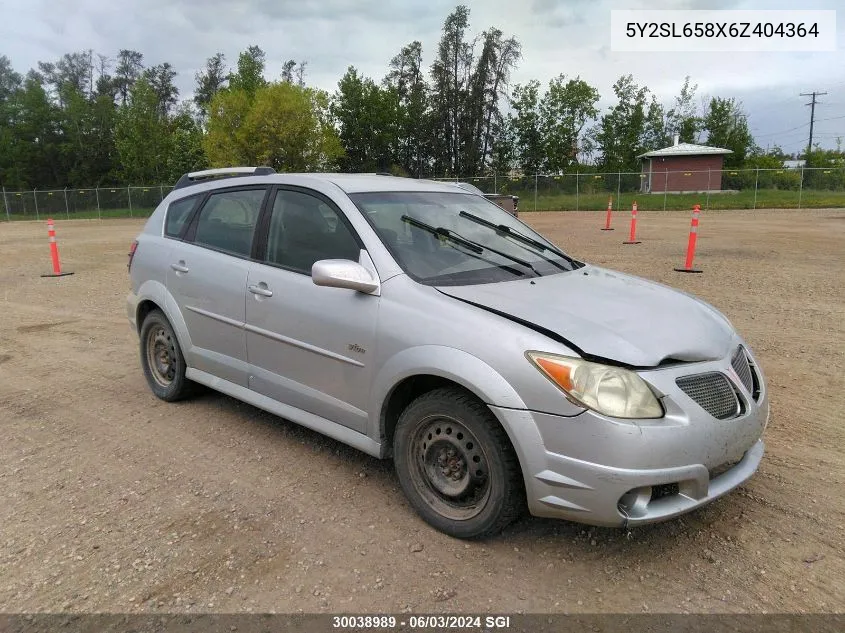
x=456 y=465
x=162 y=359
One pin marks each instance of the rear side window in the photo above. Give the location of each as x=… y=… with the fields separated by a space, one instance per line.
x=177 y=214
x=227 y=221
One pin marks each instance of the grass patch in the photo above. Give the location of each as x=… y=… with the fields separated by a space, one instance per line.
x=765 y=199
x=81 y=215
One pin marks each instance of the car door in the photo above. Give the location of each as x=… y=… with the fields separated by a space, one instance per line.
x=207 y=279
x=309 y=346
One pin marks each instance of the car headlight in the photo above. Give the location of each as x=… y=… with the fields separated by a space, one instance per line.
x=612 y=391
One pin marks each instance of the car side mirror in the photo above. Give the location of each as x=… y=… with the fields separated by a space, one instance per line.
x=343 y=273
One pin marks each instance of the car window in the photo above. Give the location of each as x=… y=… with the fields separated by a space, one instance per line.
x=177 y=214
x=460 y=238
x=227 y=220
x=304 y=229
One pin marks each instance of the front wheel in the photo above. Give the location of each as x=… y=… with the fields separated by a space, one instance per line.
x=456 y=465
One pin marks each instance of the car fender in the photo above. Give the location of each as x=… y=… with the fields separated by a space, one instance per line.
x=456 y=365
x=155 y=291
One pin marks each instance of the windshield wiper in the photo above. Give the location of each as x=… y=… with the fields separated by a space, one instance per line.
x=469 y=244
x=520 y=237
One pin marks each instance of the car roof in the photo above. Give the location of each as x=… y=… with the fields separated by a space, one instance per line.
x=363 y=183
x=349 y=183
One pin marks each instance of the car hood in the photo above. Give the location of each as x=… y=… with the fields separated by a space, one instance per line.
x=610 y=315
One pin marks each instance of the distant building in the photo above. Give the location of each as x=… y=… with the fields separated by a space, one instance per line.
x=683 y=167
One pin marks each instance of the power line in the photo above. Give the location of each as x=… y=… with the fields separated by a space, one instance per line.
x=812 y=105
x=797 y=127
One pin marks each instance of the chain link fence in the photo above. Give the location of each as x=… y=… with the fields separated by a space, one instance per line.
x=99 y=203
x=809 y=187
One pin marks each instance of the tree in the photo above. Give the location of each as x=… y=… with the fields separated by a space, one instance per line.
x=210 y=82
x=565 y=109
x=288 y=70
x=160 y=78
x=367 y=116
x=682 y=119
x=449 y=74
x=142 y=136
x=250 y=74
x=407 y=84
x=526 y=126
x=186 y=151
x=126 y=73
x=621 y=132
x=727 y=126
x=281 y=125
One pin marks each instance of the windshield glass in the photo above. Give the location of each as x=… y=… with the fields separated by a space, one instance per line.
x=449 y=239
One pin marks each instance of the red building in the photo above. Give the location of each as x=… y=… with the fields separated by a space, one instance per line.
x=683 y=167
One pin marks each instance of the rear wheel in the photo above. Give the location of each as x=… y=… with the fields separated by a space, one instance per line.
x=162 y=359
x=456 y=465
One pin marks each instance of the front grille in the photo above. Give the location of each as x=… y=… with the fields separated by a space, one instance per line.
x=664 y=490
x=713 y=393
x=743 y=369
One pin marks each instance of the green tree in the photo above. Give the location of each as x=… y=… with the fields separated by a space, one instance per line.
x=210 y=82
x=565 y=109
x=526 y=126
x=727 y=126
x=186 y=150
x=621 y=133
x=128 y=70
x=250 y=74
x=681 y=119
x=142 y=136
x=281 y=125
x=160 y=78
x=367 y=117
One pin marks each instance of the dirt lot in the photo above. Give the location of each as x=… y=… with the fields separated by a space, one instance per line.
x=111 y=500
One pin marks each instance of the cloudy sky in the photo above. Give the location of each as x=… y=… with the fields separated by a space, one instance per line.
x=558 y=36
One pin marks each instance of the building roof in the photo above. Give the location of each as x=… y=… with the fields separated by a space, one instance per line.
x=685 y=149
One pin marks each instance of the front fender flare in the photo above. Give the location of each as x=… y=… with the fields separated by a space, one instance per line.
x=456 y=365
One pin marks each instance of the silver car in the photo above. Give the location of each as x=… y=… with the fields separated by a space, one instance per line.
x=415 y=321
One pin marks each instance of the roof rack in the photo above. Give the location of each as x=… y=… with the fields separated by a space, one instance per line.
x=198 y=177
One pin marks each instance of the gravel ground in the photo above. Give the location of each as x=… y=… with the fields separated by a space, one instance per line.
x=111 y=500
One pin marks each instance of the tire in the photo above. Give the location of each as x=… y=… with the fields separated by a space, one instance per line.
x=456 y=465
x=162 y=359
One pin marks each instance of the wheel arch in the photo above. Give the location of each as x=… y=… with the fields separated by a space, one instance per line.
x=418 y=370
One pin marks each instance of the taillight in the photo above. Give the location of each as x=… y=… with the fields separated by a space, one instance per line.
x=132 y=250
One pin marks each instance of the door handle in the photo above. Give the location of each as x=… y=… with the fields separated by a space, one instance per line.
x=261 y=289
x=180 y=266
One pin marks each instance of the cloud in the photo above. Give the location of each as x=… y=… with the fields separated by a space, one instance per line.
x=557 y=36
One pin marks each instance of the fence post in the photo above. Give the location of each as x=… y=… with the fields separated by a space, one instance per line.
x=619 y=190
x=129 y=194
x=35 y=200
x=161 y=192
x=577 y=193
x=665 y=186
x=756 y=180
x=707 y=207
x=800 y=188
x=535 y=192
x=67 y=208
x=495 y=183
x=97 y=193
x=6 y=204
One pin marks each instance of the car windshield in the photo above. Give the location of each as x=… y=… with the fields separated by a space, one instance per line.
x=450 y=239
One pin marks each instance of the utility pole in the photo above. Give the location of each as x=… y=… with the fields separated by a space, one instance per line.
x=812 y=105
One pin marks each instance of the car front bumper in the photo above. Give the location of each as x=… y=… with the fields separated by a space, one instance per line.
x=602 y=471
